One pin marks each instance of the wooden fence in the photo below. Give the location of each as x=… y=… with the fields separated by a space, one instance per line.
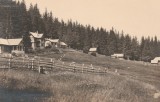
x=42 y=64
x=47 y=64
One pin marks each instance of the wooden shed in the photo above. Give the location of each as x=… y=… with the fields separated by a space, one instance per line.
x=118 y=56
x=93 y=51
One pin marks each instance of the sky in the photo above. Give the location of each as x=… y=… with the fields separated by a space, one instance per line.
x=134 y=17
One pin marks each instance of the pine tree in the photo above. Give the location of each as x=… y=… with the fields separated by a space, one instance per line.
x=102 y=48
x=135 y=50
x=127 y=47
x=25 y=27
x=112 y=42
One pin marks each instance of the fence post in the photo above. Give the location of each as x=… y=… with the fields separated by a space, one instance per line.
x=63 y=64
x=39 y=67
x=99 y=70
x=116 y=70
x=52 y=66
x=74 y=69
x=9 y=63
x=23 y=63
x=23 y=60
x=51 y=63
x=82 y=67
x=92 y=68
x=28 y=63
x=32 y=63
x=105 y=70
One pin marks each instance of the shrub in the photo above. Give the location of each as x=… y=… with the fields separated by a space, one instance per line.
x=93 y=54
x=31 y=51
x=54 y=50
x=49 y=46
x=13 y=54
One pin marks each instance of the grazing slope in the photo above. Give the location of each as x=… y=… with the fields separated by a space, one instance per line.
x=133 y=82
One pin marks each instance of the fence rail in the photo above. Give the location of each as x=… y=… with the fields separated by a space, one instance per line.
x=38 y=63
x=42 y=64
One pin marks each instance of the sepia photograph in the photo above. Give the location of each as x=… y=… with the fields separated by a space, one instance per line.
x=79 y=51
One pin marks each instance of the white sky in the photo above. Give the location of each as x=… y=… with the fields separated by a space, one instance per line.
x=136 y=17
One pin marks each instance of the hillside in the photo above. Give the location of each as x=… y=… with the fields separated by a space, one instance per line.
x=142 y=71
x=74 y=34
x=133 y=82
x=124 y=81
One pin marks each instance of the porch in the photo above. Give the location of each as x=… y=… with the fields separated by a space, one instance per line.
x=10 y=49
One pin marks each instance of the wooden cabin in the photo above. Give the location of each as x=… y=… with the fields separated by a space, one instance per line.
x=156 y=60
x=118 y=56
x=52 y=42
x=93 y=51
x=63 y=45
x=11 y=45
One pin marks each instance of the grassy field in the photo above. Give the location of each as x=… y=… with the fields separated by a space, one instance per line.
x=134 y=82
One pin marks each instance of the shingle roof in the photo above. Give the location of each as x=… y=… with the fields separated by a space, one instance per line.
x=15 y=41
x=62 y=43
x=53 y=40
x=92 y=49
x=154 y=61
x=10 y=42
x=3 y=41
x=117 y=55
x=157 y=58
x=36 y=35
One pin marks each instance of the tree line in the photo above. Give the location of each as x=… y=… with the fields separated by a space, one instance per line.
x=17 y=21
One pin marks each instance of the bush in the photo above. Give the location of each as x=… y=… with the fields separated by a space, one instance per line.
x=40 y=50
x=85 y=50
x=93 y=54
x=13 y=54
x=53 y=49
x=31 y=51
x=146 y=59
x=48 y=47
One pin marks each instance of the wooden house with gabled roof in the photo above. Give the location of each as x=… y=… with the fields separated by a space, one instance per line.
x=11 y=45
x=37 y=40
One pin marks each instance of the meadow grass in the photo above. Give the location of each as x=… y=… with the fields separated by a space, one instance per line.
x=134 y=82
x=80 y=87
